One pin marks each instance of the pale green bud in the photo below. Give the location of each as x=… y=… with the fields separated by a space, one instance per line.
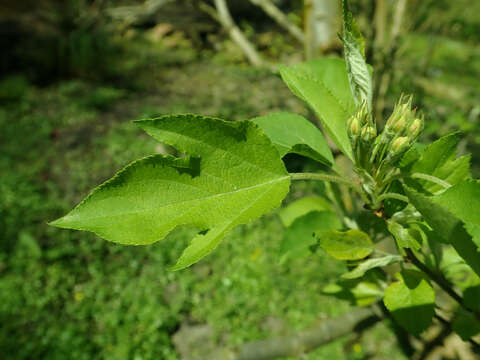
x=399 y=125
x=354 y=127
x=400 y=144
x=415 y=128
x=368 y=133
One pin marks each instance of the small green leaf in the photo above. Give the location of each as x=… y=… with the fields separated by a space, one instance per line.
x=369 y=264
x=403 y=236
x=348 y=245
x=465 y=324
x=447 y=226
x=360 y=292
x=324 y=85
x=299 y=236
x=357 y=69
x=411 y=301
x=301 y=207
x=471 y=297
x=233 y=176
x=292 y=133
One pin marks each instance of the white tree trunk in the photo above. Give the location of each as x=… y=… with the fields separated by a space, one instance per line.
x=322 y=23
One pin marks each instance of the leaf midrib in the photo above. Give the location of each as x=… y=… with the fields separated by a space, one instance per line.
x=186 y=201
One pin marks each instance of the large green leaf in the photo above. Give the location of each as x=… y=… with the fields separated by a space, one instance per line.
x=403 y=236
x=324 y=85
x=301 y=207
x=357 y=69
x=447 y=226
x=298 y=238
x=234 y=176
x=345 y=245
x=411 y=301
x=292 y=133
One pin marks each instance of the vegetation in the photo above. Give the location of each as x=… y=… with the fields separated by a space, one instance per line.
x=70 y=295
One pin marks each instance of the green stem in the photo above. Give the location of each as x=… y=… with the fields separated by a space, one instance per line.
x=329 y=178
x=391 y=196
x=432 y=179
x=321 y=177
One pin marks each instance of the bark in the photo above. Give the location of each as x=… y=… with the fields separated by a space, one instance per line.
x=304 y=341
x=321 y=26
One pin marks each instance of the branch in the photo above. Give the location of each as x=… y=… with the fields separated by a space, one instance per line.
x=303 y=341
x=223 y=16
x=281 y=19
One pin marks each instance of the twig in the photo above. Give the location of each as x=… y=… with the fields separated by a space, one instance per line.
x=303 y=341
x=282 y=20
x=222 y=15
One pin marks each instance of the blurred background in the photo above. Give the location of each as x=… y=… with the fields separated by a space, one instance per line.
x=74 y=73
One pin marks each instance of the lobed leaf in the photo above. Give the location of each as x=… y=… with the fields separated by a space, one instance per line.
x=324 y=85
x=411 y=301
x=292 y=133
x=233 y=176
x=348 y=245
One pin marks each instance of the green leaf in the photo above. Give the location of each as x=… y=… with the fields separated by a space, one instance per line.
x=234 y=176
x=358 y=292
x=439 y=160
x=403 y=236
x=298 y=238
x=301 y=207
x=369 y=264
x=447 y=226
x=465 y=324
x=348 y=245
x=292 y=133
x=324 y=85
x=357 y=69
x=411 y=301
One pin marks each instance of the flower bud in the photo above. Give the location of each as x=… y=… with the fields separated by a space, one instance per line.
x=399 y=125
x=368 y=133
x=354 y=126
x=400 y=144
x=415 y=128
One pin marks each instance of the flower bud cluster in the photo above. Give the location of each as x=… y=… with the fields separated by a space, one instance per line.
x=379 y=153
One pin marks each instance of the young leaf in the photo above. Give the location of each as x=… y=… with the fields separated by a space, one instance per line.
x=447 y=226
x=403 y=236
x=235 y=177
x=299 y=236
x=357 y=69
x=292 y=133
x=301 y=207
x=348 y=245
x=323 y=84
x=411 y=301
x=360 y=292
x=369 y=264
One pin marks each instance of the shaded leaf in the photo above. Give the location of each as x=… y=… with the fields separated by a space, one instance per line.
x=447 y=226
x=235 y=177
x=347 y=245
x=299 y=236
x=292 y=133
x=465 y=324
x=411 y=301
x=324 y=85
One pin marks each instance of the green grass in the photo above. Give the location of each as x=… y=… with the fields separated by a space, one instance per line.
x=72 y=295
